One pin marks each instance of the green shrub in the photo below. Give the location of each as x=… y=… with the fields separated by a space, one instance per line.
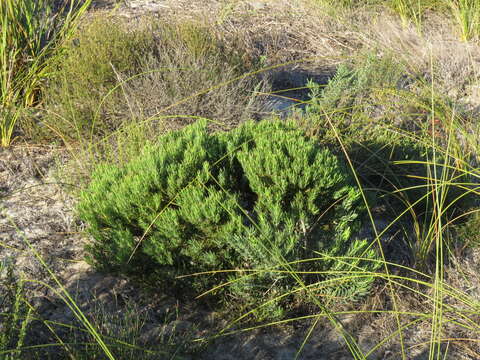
x=351 y=102
x=254 y=198
x=384 y=120
x=351 y=97
x=305 y=204
x=114 y=75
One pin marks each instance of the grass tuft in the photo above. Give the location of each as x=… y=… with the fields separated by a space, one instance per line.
x=31 y=41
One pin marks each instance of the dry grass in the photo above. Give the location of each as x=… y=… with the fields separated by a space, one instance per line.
x=455 y=63
x=280 y=30
x=284 y=31
x=156 y=72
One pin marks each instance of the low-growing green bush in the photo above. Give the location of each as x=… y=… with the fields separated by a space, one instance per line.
x=257 y=198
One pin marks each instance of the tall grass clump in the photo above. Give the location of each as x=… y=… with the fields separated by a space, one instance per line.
x=410 y=11
x=467 y=15
x=248 y=200
x=406 y=144
x=32 y=37
x=124 y=335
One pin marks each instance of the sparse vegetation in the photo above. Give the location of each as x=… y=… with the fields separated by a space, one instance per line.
x=358 y=210
x=114 y=76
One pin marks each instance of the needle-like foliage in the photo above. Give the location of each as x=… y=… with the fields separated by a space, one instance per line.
x=253 y=198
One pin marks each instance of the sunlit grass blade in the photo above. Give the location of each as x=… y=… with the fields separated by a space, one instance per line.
x=31 y=42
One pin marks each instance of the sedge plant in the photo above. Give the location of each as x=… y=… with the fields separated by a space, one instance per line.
x=31 y=41
x=409 y=11
x=467 y=15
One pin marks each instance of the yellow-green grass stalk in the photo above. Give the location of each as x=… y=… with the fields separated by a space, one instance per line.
x=32 y=38
x=467 y=15
x=409 y=11
x=417 y=283
x=438 y=200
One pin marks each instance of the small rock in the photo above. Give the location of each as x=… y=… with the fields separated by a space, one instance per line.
x=280 y=105
x=257 y=5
